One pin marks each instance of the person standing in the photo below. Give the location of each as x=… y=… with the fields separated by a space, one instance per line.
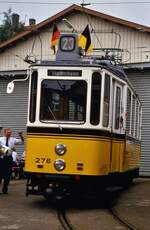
x=15 y=164
x=14 y=155
x=7 y=160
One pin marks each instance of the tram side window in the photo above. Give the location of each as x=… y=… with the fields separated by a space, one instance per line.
x=136 y=118
x=128 y=112
x=139 y=122
x=133 y=117
x=118 y=107
x=106 y=101
x=33 y=97
x=95 y=98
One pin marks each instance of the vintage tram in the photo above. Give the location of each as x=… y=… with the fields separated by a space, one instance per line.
x=84 y=124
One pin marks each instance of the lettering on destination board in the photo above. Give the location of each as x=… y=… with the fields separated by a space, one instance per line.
x=42 y=160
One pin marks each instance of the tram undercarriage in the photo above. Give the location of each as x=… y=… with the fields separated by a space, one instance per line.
x=66 y=185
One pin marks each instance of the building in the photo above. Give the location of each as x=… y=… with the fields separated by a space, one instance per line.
x=107 y=32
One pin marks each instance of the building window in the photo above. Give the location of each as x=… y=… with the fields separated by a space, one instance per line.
x=33 y=96
x=106 y=101
x=95 y=98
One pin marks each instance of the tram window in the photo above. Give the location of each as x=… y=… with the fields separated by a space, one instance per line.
x=128 y=112
x=95 y=99
x=33 y=96
x=63 y=100
x=118 y=107
x=136 y=118
x=133 y=117
x=106 y=101
x=139 y=122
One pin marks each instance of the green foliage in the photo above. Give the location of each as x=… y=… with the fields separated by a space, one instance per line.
x=10 y=26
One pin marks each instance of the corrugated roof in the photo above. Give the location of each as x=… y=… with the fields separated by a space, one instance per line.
x=74 y=8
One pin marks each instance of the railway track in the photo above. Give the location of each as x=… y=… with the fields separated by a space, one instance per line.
x=122 y=219
x=66 y=223
x=63 y=219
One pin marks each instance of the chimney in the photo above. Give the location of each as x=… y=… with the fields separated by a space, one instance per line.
x=15 y=19
x=32 y=21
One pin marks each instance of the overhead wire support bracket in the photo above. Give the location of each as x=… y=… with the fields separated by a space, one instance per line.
x=85 y=4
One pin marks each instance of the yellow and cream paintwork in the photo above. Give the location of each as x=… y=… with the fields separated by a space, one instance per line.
x=99 y=155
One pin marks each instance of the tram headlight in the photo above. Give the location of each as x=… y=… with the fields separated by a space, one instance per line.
x=59 y=164
x=60 y=149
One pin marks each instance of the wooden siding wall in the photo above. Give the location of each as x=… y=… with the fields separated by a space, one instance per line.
x=138 y=43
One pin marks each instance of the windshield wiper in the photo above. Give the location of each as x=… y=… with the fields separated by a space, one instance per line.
x=60 y=86
x=54 y=118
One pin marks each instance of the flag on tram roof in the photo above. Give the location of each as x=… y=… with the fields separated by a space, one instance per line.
x=85 y=40
x=55 y=37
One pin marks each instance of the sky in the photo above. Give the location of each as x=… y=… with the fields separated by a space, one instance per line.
x=131 y=10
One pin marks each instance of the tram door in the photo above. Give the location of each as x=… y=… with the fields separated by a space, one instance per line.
x=117 y=126
x=117 y=108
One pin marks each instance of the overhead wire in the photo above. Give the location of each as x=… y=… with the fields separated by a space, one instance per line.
x=15 y=55
x=98 y=39
x=33 y=46
x=68 y=3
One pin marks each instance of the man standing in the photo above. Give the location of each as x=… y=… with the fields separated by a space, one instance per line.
x=6 y=160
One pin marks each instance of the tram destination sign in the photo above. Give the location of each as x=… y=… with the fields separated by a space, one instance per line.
x=65 y=73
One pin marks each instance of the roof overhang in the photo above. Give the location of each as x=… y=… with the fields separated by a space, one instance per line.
x=13 y=73
x=139 y=66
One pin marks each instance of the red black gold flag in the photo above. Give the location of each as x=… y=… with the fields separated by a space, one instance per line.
x=55 y=37
x=85 y=40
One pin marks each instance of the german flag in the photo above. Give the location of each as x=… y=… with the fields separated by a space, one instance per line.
x=55 y=37
x=85 y=40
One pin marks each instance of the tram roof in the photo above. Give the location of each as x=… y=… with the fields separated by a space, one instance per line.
x=103 y=64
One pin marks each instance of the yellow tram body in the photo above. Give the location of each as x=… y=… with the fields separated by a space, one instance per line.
x=84 y=124
x=92 y=153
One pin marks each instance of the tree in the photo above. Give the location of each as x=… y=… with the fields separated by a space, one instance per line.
x=11 y=25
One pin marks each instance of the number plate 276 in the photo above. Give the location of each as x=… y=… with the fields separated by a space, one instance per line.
x=42 y=160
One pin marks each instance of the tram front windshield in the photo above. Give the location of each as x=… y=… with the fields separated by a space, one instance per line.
x=63 y=100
